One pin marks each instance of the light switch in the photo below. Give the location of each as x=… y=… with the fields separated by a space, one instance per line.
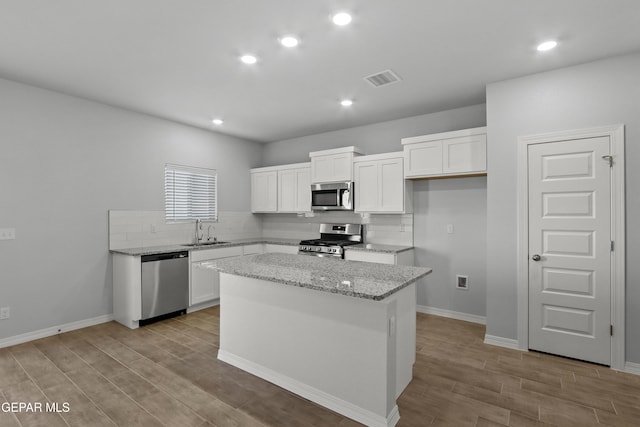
x=7 y=233
x=449 y=228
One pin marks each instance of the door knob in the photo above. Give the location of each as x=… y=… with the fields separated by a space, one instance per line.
x=535 y=257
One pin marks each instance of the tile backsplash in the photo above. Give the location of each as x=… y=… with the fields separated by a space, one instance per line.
x=140 y=229
x=380 y=229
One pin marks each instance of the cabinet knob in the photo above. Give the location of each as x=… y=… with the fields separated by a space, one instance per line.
x=535 y=257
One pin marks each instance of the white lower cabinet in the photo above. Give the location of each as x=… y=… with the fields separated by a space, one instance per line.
x=205 y=282
x=399 y=258
x=380 y=186
x=254 y=249
x=127 y=289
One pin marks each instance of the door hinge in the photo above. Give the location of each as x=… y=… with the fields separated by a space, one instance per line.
x=609 y=159
x=612 y=246
x=611 y=330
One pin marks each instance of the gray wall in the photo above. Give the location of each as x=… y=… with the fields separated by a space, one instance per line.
x=64 y=163
x=600 y=93
x=377 y=138
x=461 y=202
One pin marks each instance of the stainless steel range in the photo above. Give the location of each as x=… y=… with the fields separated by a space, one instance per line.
x=333 y=239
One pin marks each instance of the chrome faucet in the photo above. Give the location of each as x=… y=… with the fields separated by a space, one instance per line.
x=198 y=235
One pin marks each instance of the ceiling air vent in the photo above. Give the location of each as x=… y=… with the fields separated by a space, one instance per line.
x=382 y=78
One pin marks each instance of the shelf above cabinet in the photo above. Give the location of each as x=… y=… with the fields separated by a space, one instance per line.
x=444 y=155
x=334 y=165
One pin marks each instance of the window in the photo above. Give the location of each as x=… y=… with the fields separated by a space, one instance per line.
x=190 y=193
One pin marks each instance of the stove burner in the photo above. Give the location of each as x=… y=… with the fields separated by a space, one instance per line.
x=321 y=242
x=333 y=237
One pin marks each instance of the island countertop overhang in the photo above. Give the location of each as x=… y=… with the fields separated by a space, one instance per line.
x=351 y=278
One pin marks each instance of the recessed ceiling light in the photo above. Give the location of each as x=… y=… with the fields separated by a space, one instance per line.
x=342 y=18
x=289 y=41
x=548 y=45
x=217 y=121
x=248 y=59
x=346 y=103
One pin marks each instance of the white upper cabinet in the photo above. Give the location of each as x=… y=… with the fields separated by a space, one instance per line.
x=264 y=190
x=285 y=188
x=462 y=152
x=333 y=165
x=294 y=188
x=380 y=186
x=423 y=159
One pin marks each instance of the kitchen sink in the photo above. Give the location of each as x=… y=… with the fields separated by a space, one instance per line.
x=196 y=245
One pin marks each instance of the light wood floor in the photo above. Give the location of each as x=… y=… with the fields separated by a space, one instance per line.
x=167 y=374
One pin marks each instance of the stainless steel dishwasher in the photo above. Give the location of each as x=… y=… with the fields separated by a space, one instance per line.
x=165 y=285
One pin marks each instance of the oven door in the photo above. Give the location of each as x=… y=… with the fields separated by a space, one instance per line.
x=332 y=197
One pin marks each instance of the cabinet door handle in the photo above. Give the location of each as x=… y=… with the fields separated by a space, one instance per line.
x=536 y=257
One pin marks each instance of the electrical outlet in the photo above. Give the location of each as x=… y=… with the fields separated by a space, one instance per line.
x=7 y=233
x=5 y=313
x=462 y=282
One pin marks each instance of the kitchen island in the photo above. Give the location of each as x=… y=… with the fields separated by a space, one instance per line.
x=339 y=333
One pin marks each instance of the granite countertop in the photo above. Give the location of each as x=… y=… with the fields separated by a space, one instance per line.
x=352 y=278
x=152 y=250
x=373 y=247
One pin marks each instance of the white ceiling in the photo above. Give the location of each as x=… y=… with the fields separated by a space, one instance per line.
x=178 y=59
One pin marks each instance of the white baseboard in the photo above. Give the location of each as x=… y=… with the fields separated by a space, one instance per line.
x=452 y=314
x=501 y=342
x=629 y=367
x=311 y=393
x=632 y=368
x=54 y=330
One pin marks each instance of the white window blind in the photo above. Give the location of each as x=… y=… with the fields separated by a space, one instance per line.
x=190 y=193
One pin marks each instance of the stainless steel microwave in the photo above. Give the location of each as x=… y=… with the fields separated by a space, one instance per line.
x=337 y=196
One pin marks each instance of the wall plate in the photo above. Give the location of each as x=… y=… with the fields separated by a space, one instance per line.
x=7 y=233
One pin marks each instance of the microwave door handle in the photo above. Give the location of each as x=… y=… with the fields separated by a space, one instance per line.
x=345 y=196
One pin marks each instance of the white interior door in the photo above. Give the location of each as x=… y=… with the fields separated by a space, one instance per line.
x=570 y=248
